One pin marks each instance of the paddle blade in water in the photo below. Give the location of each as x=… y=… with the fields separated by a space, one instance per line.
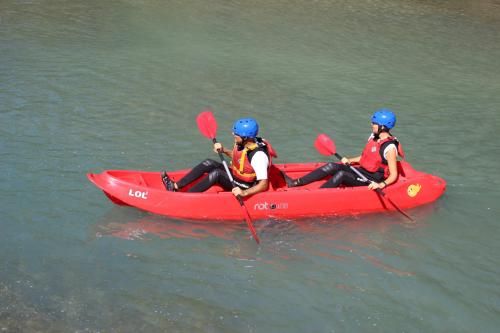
x=207 y=124
x=248 y=220
x=208 y=127
x=325 y=145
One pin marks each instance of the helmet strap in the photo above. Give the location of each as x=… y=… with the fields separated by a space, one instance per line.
x=243 y=142
x=381 y=129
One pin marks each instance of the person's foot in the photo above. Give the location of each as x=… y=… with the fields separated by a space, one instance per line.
x=290 y=182
x=169 y=184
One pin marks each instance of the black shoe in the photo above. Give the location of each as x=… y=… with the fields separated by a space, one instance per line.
x=169 y=184
x=290 y=182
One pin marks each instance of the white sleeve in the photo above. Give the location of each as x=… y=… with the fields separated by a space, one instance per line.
x=388 y=149
x=260 y=163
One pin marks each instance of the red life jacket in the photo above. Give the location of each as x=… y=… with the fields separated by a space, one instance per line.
x=240 y=164
x=372 y=157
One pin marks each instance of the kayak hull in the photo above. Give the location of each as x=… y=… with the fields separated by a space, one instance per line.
x=145 y=190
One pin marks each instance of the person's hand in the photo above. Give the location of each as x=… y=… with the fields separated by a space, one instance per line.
x=374 y=186
x=218 y=147
x=344 y=160
x=238 y=192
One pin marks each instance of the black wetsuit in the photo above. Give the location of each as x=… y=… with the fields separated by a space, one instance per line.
x=216 y=174
x=341 y=175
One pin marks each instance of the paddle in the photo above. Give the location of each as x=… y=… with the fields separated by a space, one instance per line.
x=208 y=127
x=326 y=146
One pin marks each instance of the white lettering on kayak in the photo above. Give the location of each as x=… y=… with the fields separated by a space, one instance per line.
x=138 y=194
x=267 y=206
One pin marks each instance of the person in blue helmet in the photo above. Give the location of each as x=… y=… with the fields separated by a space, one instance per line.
x=377 y=161
x=250 y=156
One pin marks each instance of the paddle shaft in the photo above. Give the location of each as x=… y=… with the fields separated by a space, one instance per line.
x=225 y=165
x=208 y=127
x=360 y=175
x=379 y=191
x=240 y=199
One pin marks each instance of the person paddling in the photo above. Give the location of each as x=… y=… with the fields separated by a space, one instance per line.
x=251 y=158
x=378 y=161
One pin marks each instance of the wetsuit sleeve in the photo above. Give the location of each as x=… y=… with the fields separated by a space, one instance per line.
x=260 y=163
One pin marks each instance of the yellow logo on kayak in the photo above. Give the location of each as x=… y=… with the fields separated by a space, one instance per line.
x=413 y=189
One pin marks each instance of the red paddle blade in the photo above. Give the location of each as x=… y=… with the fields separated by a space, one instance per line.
x=248 y=220
x=325 y=145
x=207 y=124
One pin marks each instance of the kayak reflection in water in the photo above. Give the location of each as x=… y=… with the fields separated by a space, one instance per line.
x=378 y=161
x=251 y=158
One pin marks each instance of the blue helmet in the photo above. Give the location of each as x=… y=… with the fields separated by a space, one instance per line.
x=246 y=127
x=384 y=117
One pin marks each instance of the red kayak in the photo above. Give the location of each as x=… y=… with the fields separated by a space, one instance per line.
x=145 y=190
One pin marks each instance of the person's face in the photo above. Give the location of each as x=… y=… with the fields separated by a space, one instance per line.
x=375 y=128
x=237 y=139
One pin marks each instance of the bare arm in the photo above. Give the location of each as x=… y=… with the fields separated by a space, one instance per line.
x=351 y=160
x=262 y=185
x=393 y=171
x=393 y=167
x=219 y=147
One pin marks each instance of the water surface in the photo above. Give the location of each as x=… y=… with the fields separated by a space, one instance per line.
x=91 y=85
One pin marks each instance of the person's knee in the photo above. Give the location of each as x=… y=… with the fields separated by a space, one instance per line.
x=330 y=167
x=338 y=177
x=215 y=175
x=209 y=163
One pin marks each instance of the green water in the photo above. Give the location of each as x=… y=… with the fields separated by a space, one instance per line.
x=93 y=85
